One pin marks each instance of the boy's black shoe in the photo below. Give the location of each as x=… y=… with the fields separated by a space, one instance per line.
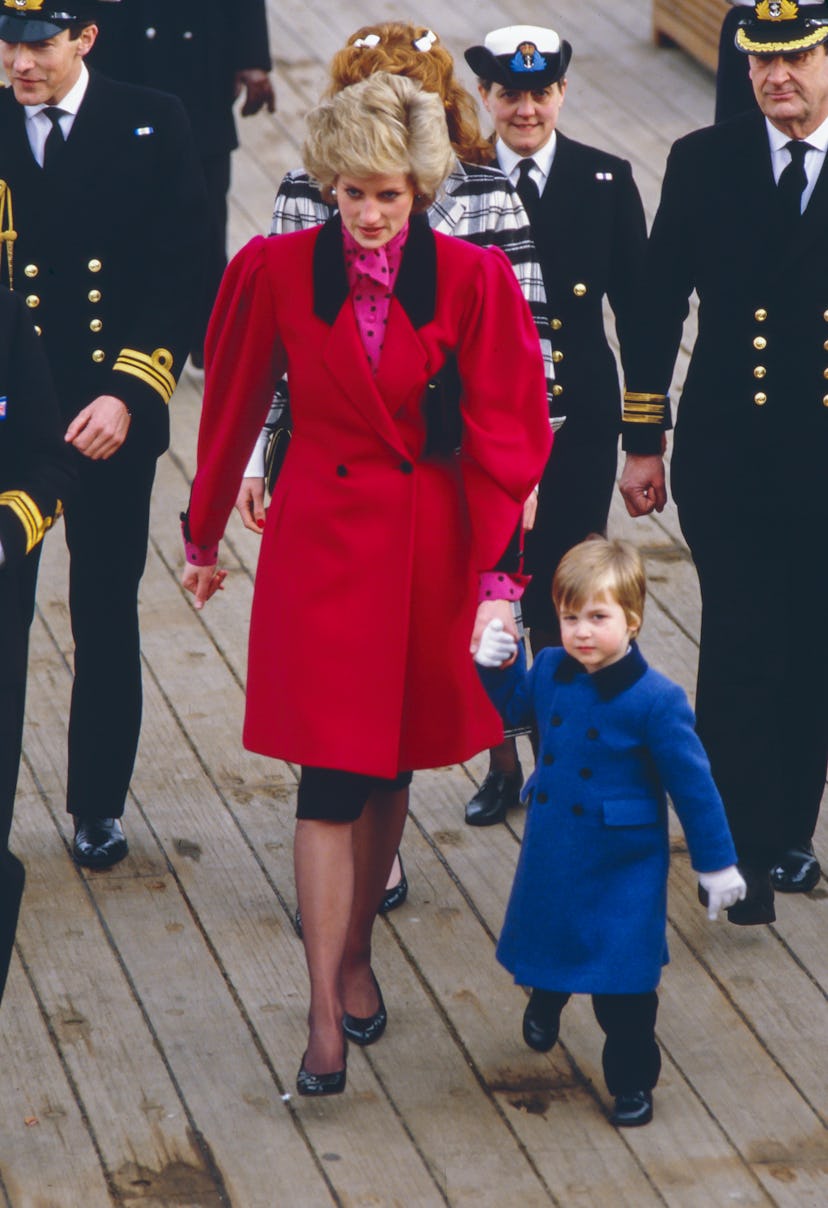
x=542 y=1020
x=632 y=1109
x=499 y=792
x=797 y=871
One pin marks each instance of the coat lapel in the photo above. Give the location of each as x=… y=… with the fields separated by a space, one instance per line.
x=403 y=358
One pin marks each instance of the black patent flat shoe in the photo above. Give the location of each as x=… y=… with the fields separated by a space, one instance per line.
x=98 y=842
x=632 y=1109
x=366 y=1031
x=541 y=1021
x=499 y=792
x=321 y=1084
x=797 y=871
x=396 y=895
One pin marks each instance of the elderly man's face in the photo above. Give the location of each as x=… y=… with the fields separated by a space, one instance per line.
x=792 y=90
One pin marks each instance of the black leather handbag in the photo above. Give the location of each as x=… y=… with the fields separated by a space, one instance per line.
x=278 y=428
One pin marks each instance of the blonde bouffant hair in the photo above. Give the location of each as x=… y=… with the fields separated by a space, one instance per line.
x=397 y=53
x=602 y=569
x=383 y=125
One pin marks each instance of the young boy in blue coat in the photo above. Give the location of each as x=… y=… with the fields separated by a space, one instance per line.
x=588 y=909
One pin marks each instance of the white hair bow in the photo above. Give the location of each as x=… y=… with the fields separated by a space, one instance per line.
x=426 y=41
x=369 y=41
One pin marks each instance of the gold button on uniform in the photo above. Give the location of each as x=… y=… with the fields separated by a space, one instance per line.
x=556 y=324
x=760 y=342
x=760 y=399
x=32 y=301
x=94 y=295
x=825 y=373
x=95 y=325
x=31 y=270
x=94 y=266
x=825 y=400
x=759 y=371
x=760 y=315
x=825 y=315
x=98 y=355
x=557 y=356
x=38 y=330
x=557 y=390
x=579 y=290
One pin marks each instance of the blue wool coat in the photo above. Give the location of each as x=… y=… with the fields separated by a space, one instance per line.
x=588 y=908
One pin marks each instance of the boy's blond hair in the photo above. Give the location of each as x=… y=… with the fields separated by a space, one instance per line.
x=598 y=568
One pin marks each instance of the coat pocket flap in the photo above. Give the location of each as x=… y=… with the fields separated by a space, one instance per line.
x=632 y=811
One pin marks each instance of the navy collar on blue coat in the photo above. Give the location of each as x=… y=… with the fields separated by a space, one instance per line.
x=416 y=286
x=609 y=681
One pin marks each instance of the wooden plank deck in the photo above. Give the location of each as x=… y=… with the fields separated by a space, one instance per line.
x=154 y=1017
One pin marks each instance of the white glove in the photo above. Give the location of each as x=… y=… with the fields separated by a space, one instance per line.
x=497 y=646
x=724 y=888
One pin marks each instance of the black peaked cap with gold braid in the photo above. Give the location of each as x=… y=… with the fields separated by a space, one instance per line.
x=779 y=27
x=37 y=20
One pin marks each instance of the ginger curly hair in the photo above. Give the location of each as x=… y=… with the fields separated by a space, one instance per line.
x=433 y=69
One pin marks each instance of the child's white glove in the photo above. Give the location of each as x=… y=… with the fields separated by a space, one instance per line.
x=496 y=645
x=724 y=888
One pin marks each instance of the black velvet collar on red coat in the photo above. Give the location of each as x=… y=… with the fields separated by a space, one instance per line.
x=416 y=286
x=610 y=681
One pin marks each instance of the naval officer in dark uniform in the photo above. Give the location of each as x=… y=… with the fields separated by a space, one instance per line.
x=589 y=229
x=36 y=474
x=743 y=221
x=108 y=210
x=206 y=52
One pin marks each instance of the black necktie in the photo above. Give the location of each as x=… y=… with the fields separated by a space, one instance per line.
x=793 y=180
x=527 y=190
x=55 y=142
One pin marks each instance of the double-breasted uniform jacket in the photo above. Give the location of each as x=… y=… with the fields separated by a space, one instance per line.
x=590 y=233
x=35 y=478
x=370 y=544
x=587 y=911
x=755 y=399
x=108 y=249
x=192 y=48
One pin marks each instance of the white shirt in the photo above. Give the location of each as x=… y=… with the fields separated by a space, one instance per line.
x=814 y=159
x=509 y=162
x=38 y=125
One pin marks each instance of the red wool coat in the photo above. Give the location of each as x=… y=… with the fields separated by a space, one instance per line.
x=367 y=579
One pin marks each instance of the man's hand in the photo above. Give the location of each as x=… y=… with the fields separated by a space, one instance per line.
x=250 y=504
x=100 y=429
x=203 y=582
x=491 y=610
x=643 y=485
x=259 y=91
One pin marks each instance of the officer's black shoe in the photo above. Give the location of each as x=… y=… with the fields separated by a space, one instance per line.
x=98 y=842
x=757 y=907
x=798 y=870
x=542 y=1020
x=632 y=1109
x=499 y=792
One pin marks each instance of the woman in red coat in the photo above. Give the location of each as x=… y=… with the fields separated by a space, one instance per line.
x=374 y=542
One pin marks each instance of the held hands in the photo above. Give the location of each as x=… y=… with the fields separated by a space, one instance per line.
x=724 y=889
x=203 y=582
x=497 y=647
x=250 y=504
x=100 y=428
